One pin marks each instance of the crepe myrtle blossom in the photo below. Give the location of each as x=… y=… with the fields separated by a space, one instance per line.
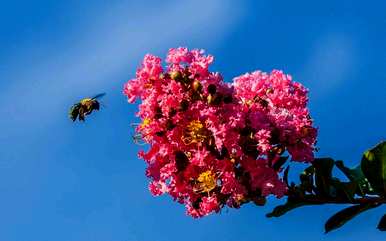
x=214 y=144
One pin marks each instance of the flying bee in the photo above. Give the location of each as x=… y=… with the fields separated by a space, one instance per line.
x=85 y=107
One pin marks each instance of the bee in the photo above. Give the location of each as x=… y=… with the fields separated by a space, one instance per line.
x=85 y=107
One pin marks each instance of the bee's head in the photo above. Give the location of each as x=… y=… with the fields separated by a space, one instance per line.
x=74 y=112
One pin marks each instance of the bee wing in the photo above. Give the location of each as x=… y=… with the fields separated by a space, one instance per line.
x=81 y=113
x=96 y=105
x=99 y=104
x=98 y=96
x=102 y=105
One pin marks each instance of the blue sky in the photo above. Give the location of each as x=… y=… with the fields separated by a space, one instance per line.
x=84 y=182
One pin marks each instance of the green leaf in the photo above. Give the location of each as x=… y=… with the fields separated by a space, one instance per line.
x=352 y=174
x=283 y=209
x=349 y=189
x=285 y=175
x=323 y=175
x=259 y=201
x=344 y=190
x=306 y=181
x=277 y=165
x=310 y=170
x=382 y=223
x=345 y=215
x=374 y=167
x=356 y=176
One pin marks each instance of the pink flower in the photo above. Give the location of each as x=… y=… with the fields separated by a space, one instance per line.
x=133 y=89
x=199 y=158
x=179 y=55
x=230 y=184
x=263 y=137
x=213 y=143
x=150 y=69
x=157 y=188
x=209 y=205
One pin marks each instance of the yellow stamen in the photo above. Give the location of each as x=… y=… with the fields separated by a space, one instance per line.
x=148 y=85
x=145 y=122
x=206 y=181
x=188 y=154
x=239 y=198
x=195 y=133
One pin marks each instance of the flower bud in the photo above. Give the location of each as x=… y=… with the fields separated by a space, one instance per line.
x=228 y=99
x=197 y=85
x=175 y=75
x=269 y=91
x=184 y=105
x=212 y=89
x=217 y=99
x=182 y=160
x=210 y=99
x=170 y=125
x=172 y=112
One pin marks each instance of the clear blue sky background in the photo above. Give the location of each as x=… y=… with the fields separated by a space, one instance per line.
x=83 y=182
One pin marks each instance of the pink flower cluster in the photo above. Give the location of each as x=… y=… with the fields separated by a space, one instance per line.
x=216 y=144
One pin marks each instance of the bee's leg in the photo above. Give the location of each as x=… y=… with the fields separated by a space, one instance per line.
x=81 y=114
x=89 y=108
x=74 y=116
x=88 y=111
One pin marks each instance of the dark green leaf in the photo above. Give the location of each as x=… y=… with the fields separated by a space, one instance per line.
x=285 y=175
x=280 y=162
x=382 y=223
x=323 y=175
x=259 y=201
x=307 y=181
x=344 y=190
x=356 y=176
x=310 y=170
x=350 y=173
x=345 y=215
x=374 y=167
x=283 y=209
